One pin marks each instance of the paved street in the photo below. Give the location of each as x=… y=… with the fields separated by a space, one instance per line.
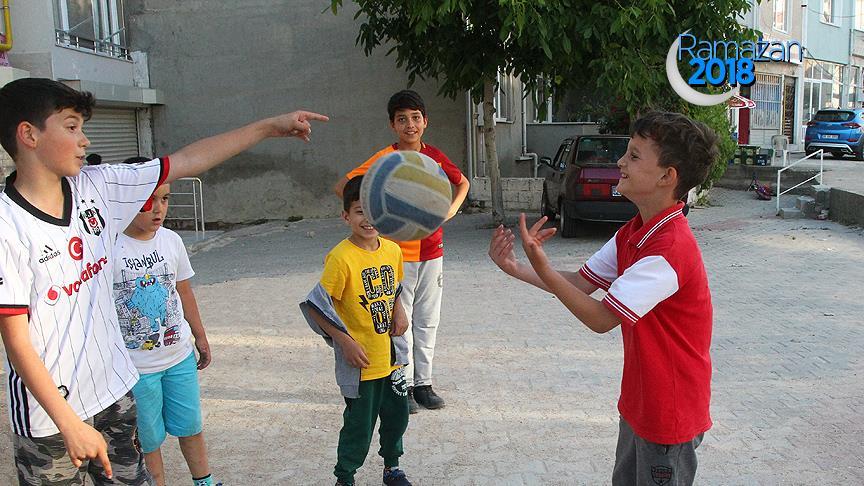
x=531 y=392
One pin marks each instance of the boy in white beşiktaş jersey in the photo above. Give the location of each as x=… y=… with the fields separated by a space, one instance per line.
x=158 y=317
x=69 y=372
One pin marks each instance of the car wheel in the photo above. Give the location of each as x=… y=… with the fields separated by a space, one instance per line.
x=546 y=208
x=566 y=224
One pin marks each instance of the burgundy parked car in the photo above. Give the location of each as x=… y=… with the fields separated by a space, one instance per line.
x=583 y=180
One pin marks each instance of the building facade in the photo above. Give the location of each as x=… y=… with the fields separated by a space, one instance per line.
x=778 y=86
x=831 y=75
x=219 y=67
x=230 y=64
x=84 y=44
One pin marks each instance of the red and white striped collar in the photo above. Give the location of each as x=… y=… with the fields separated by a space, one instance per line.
x=645 y=231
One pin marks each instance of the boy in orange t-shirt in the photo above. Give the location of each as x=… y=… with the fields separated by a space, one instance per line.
x=423 y=259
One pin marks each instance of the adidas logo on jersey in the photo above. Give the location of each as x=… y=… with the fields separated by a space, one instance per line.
x=48 y=254
x=88 y=273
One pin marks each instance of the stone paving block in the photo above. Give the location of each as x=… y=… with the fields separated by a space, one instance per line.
x=807 y=205
x=791 y=213
x=822 y=194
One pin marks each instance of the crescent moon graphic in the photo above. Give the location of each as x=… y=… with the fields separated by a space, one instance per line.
x=683 y=89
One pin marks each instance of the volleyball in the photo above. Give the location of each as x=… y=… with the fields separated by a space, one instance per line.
x=405 y=195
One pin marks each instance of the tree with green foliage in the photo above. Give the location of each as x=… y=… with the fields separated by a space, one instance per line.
x=629 y=42
x=464 y=44
x=618 y=47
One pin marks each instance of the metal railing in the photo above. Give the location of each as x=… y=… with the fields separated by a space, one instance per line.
x=182 y=204
x=104 y=48
x=819 y=152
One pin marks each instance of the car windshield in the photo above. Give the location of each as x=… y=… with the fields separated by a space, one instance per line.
x=601 y=150
x=834 y=116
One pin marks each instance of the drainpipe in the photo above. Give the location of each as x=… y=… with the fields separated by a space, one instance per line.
x=756 y=15
x=805 y=16
x=7 y=24
x=525 y=152
x=849 y=62
x=469 y=134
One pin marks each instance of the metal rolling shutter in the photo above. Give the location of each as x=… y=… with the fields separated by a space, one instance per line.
x=113 y=134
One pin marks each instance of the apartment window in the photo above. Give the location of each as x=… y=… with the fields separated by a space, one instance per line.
x=858 y=88
x=855 y=89
x=535 y=106
x=822 y=86
x=574 y=104
x=837 y=88
x=504 y=98
x=780 y=18
x=548 y=112
x=828 y=11
x=859 y=14
x=768 y=97
x=93 y=25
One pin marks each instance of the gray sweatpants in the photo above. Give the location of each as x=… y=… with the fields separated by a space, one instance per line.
x=642 y=463
x=422 y=287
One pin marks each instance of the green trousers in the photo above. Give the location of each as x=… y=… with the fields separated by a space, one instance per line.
x=386 y=398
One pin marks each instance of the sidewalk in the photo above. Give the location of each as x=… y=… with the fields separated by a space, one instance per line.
x=845 y=173
x=530 y=391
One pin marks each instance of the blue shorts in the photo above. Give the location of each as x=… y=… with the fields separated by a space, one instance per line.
x=169 y=402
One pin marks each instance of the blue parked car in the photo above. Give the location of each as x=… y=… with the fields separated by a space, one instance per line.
x=838 y=132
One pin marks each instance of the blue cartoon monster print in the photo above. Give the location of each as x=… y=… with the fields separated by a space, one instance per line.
x=149 y=298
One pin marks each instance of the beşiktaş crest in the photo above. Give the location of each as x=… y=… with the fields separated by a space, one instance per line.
x=91 y=218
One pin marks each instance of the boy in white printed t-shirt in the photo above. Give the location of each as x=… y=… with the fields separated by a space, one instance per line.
x=69 y=374
x=158 y=318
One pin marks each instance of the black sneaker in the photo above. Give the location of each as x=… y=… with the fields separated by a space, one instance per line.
x=340 y=483
x=412 y=404
x=395 y=477
x=425 y=396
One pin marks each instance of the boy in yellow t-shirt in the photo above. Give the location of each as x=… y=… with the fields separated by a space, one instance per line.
x=362 y=276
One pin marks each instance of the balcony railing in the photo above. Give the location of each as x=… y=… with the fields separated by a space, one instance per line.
x=101 y=48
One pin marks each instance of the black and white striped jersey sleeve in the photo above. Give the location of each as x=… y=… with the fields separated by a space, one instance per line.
x=16 y=278
x=126 y=188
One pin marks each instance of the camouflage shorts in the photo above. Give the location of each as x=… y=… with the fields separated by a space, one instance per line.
x=44 y=460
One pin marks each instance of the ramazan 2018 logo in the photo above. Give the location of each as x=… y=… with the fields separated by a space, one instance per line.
x=720 y=63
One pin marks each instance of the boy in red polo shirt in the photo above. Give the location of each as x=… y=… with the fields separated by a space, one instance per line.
x=656 y=289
